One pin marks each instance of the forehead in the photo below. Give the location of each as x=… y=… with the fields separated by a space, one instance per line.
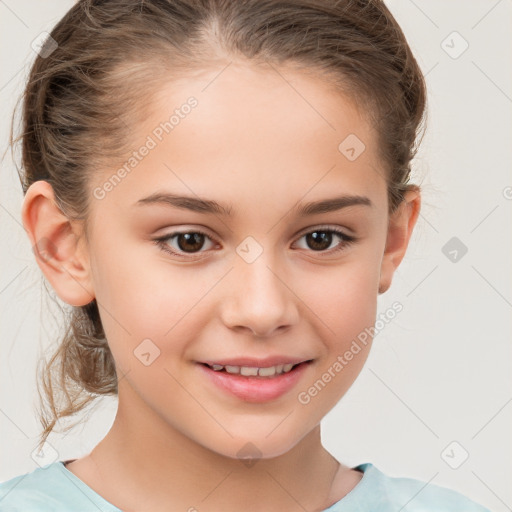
x=253 y=133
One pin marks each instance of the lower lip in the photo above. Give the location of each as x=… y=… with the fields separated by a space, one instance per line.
x=255 y=389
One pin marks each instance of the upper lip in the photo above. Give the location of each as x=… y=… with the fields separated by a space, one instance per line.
x=253 y=362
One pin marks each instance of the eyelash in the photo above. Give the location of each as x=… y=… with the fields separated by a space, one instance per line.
x=161 y=241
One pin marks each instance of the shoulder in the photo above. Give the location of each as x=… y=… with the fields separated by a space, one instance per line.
x=416 y=495
x=379 y=491
x=50 y=488
x=29 y=491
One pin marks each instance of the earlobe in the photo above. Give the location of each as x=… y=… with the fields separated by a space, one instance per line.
x=56 y=246
x=400 y=228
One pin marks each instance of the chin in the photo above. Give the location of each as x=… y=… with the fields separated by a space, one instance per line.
x=250 y=449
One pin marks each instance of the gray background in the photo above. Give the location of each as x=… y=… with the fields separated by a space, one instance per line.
x=441 y=370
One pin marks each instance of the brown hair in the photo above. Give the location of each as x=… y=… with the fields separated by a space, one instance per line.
x=111 y=54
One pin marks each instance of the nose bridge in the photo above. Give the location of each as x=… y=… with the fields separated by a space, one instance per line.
x=258 y=297
x=260 y=277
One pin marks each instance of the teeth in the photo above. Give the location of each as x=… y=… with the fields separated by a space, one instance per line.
x=247 y=371
x=267 y=372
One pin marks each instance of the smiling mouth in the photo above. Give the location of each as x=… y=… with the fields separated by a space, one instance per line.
x=252 y=371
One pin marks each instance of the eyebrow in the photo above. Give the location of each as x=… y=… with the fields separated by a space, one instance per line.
x=205 y=206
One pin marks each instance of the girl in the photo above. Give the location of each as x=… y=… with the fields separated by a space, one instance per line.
x=219 y=190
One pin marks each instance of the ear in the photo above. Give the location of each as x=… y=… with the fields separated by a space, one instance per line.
x=56 y=245
x=400 y=226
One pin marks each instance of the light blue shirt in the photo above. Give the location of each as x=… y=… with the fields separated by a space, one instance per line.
x=53 y=488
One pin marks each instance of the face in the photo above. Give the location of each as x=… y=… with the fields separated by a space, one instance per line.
x=264 y=277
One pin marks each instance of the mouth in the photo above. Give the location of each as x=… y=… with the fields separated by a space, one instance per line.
x=256 y=371
x=254 y=383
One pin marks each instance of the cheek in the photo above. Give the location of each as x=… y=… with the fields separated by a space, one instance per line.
x=344 y=297
x=344 y=302
x=149 y=312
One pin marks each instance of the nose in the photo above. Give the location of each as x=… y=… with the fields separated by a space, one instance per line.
x=258 y=298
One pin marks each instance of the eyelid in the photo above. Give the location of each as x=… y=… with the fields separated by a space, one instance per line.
x=182 y=231
x=349 y=233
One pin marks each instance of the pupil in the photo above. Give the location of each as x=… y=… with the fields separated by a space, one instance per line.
x=194 y=239
x=319 y=238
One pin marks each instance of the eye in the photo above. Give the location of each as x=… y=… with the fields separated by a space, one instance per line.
x=191 y=242
x=320 y=239
x=188 y=242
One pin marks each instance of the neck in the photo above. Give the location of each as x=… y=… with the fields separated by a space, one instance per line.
x=143 y=463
